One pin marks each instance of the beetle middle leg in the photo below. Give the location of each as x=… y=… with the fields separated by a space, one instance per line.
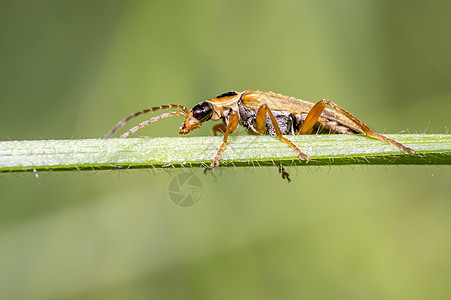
x=260 y=126
x=317 y=109
x=231 y=127
x=285 y=175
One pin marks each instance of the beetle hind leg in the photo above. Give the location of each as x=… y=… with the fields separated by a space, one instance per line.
x=317 y=109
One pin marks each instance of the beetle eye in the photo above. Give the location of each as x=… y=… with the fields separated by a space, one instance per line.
x=202 y=111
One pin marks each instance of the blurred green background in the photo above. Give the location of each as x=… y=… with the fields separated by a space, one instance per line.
x=72 y=69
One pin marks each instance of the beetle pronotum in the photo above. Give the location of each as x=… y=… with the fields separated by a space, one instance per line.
x=263 y=113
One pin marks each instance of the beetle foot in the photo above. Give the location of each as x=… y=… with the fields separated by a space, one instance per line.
x=303 y=156
x=285 y=175
x=408 y=150
x=213 y=164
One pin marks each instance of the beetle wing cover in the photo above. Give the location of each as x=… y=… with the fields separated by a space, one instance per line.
x=255 y=99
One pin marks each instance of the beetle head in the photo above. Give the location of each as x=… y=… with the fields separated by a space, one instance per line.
x=200 y=113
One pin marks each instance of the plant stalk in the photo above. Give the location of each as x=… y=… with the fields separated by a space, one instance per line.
x=248 y=150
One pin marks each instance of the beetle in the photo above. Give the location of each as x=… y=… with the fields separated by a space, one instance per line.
x=263 y=113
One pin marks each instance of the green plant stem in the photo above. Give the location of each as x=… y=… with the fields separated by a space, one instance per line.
x=95 y=154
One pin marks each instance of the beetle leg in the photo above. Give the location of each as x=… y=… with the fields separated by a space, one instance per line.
x=122 y=123
x=220 y=127
x=285 y=175
x=154 y=119
x=231 y=127
x=260 y=120
x=317 y=109
x=260 y=126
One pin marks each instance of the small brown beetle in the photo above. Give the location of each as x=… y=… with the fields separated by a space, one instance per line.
x=264 y=113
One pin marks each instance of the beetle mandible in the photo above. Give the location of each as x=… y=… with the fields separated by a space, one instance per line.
x=263 y=113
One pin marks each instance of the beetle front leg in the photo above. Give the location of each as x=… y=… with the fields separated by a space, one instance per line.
x=317 y=109
x=231 y=127
x=260 y=126
x=220 y=127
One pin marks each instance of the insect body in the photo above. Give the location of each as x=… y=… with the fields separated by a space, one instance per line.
x=264 y=113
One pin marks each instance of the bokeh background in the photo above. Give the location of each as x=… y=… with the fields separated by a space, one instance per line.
x=72 y=69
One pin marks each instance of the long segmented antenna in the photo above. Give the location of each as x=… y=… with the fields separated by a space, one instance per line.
x=154 y=119
x=124 y=121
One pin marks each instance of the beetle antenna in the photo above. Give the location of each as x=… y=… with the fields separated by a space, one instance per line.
x=154 y=119
x=124 y=121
